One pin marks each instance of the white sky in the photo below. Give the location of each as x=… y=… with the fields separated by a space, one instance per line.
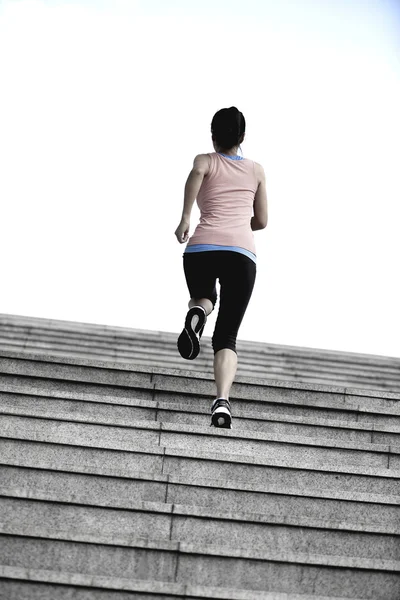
x=103 y=106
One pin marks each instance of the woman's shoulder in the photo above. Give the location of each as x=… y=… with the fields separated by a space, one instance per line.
x=202 y=163
x=259 y=171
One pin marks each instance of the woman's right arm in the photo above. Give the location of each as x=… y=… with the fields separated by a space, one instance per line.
x=260 y=206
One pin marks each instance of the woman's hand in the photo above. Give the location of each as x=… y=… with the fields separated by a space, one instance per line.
x=182 y=231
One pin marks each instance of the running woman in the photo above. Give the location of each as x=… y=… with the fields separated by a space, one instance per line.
x=232 y=199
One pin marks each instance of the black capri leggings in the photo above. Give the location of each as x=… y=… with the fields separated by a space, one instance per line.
x=236 y=273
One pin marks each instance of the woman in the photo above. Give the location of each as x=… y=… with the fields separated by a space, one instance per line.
x=232 y=199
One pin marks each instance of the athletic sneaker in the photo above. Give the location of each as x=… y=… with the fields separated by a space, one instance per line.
x=221 y=413
x=189 y=340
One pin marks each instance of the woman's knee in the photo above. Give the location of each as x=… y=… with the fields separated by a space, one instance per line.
x=221 y=341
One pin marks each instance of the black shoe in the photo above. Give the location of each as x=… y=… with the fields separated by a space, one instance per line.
x=189 y=340
x=221 y=414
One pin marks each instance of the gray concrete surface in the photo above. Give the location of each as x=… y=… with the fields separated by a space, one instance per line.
x=38 y=584
x=159 y=348
x=110 y=472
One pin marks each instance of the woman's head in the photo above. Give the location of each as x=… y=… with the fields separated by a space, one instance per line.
x=227 y=128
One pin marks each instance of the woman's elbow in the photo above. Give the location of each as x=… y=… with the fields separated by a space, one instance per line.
x=257 y=224
x=262 y=219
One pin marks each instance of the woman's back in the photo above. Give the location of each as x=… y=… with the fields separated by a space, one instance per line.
x=226 y=200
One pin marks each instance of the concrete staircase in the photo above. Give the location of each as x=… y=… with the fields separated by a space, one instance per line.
x=158 y=349
x=113 y=486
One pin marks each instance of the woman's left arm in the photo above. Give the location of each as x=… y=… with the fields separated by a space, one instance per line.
x=192 y=187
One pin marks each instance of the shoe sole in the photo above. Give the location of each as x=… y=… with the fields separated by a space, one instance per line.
x=188 y=342
x=221 y=418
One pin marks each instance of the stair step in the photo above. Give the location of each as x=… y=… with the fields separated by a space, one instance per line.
x=165 y=355
x=44 y=375
x=160 y=520
x=204 y=465
x=385 y=417
x=16 y=536
x=147 y=410
x=70 y=368
x=198 y=564
x=155 y=348
x=39 y=584
x=285 y=504
x=289 y=450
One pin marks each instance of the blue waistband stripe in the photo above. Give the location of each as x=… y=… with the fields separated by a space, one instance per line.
x=209 y=247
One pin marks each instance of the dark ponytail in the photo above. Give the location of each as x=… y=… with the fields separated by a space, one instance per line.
x=227 y=127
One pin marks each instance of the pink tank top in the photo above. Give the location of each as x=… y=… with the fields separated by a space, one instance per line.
x=225 y=201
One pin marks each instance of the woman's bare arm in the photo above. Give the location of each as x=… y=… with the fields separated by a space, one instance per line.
x=192 y=187
x=260 y=206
